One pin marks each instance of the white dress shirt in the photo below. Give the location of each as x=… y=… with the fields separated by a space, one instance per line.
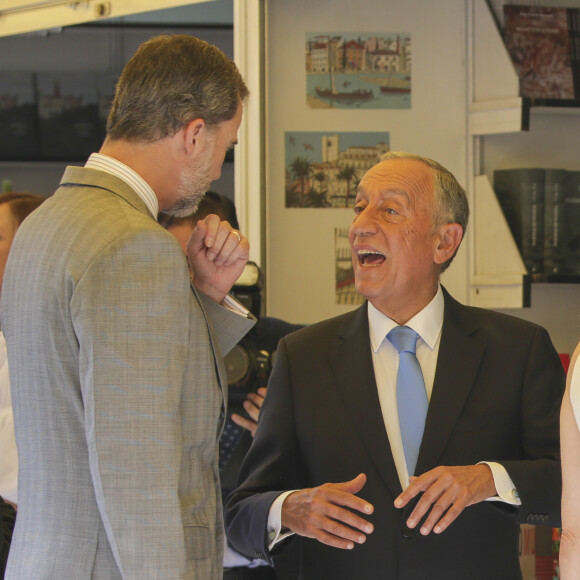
x=428 y=323
x=129 y=176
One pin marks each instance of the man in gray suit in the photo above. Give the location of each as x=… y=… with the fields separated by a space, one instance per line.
x=115 y=358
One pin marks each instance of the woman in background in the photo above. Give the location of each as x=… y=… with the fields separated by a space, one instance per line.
x=570 y=443
x=14 y=207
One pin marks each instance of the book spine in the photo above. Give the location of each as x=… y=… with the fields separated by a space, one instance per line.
x=570 y=219
x=554 y=194
x=507 y=193
x=532 y=212
x=520 y=193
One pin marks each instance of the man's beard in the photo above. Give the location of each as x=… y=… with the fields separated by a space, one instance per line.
x=193 y=183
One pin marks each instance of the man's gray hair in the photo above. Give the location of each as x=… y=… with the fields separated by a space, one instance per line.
x=170 y=81
x=450 y=198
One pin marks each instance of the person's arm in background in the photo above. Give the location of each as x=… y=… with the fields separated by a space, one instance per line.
x=252 y=406
x=266 y=336
x=570 y=444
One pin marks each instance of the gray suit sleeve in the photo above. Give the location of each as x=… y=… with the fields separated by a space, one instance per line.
x=228 y=326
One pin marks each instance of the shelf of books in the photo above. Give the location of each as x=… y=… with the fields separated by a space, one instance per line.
x=499 y=275
x=525 y=222
x=529 y=64
x=543 y=45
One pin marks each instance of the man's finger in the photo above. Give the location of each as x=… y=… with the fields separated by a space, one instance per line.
x=328 y=513
x=428 y=500
x=212 y=224
x=447 y=491
x=452 y=513
x=415 y=487
x=247 y=424
x=319 y=513
x=196 y=241
x=438 y=510
x=252 y=410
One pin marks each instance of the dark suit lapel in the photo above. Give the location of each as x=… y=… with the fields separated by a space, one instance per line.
x=460 y=354
x=353 y=367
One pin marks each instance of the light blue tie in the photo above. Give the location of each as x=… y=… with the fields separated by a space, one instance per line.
x=411 y=395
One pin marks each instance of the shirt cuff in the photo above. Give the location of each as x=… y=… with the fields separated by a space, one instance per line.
x=232 y=304
x=506 y=490
x=233 y=559
x=275 y=534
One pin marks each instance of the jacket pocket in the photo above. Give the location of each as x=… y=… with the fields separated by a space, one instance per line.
x=198 y=542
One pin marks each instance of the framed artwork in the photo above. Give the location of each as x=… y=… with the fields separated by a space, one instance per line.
x=345 y=291
x=350 y=70
x=323 y=168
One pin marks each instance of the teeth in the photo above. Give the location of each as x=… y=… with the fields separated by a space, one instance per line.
x=367 y=252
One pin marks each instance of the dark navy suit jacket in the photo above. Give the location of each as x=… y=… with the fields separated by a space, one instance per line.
x=496 y=397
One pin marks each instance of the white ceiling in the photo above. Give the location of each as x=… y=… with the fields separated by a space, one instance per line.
x=21 y=16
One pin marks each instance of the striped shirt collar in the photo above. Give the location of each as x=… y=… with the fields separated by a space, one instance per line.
x=130 y=177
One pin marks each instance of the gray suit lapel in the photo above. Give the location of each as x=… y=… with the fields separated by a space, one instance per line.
x=225 y=330
x=353 y=367
x=460 y=354
x=218 y=360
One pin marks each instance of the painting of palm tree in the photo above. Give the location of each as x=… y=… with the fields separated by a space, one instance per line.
x=300 y=185
x=323 y=169
x=320 y=196
x=348 y=176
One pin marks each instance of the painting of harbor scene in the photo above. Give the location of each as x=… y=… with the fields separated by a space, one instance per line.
x=323 y=169
x=358 y=70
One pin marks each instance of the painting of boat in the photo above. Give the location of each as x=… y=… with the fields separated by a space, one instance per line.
x=346 y=97
x=396 y=85
x=395 y=90
x=355 y=96
x=358 y=71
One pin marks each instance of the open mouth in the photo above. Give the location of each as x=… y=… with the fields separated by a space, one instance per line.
x=370 y=257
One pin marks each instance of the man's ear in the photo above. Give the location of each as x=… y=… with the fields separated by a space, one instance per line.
x=448 y=240
x=194 y=136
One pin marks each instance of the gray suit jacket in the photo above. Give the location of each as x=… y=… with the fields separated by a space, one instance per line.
x=118 y=391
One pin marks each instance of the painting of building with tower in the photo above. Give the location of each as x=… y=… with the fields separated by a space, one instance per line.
x=323 y=169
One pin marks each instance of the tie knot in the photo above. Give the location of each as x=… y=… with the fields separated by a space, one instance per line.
x=403 y=338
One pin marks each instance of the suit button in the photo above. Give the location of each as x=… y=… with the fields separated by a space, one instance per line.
x=408 y=532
